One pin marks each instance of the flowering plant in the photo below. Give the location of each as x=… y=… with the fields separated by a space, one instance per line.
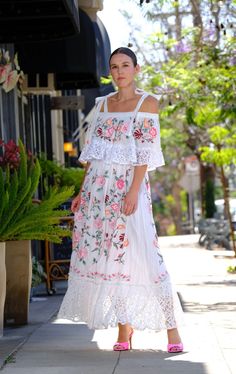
x=10 y=72
x=10 y=155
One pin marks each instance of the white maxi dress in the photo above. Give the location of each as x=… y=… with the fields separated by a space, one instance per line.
x=117 y=273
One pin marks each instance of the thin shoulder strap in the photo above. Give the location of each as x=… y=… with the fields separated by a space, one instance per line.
x=105 y=102
x=138 y=106
x=105 y=105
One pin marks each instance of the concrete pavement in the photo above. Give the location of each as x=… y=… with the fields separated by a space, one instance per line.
x=208 y=296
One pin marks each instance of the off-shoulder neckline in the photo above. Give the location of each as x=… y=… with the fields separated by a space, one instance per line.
x=112 y=113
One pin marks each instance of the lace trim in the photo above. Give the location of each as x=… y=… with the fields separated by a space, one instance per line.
x=100 y=305
x=122 y=154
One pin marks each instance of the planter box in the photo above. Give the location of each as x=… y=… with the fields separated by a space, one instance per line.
x=2 y=285
x=18 y=283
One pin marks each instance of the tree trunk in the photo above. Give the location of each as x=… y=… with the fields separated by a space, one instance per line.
x=176 y=209
x=227 y=206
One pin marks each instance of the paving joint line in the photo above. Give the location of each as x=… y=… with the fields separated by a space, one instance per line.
x=117 y=363
x=25 y=339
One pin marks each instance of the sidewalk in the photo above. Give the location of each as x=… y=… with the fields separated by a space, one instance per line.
x=207 y=293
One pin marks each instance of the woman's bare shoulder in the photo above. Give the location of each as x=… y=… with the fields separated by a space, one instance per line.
x=150 y=105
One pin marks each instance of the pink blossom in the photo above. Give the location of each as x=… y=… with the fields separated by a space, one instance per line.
x=98 y=223
x=153 y=132
x=100 y=181
x=4 y=71
x=82 y=253
x=115 y=206
x=11 y=81
x=120 y=184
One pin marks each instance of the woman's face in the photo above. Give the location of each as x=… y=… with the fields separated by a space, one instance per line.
x=123 y=70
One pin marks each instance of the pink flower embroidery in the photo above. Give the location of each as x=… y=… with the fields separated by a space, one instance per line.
x=98 y=223
x=120 y=184
x=76 y=238
x=100 y=181
x=124 y=127
x=153 y=132
x=78 y=216
x=112 y=224
x=120 y=227
x=126 y=243
x=109 y=132
x=109 y=121
x=82 y=253
x=107 y=212
x=115 y=206
x=108 y=243
x=82 y=201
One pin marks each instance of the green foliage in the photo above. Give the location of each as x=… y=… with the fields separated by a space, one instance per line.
x=38 y=274
x=223 y=149
x=20 y=219
x=58 y=175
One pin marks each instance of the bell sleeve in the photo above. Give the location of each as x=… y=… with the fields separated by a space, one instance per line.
x=85 y=154
x=146 y=134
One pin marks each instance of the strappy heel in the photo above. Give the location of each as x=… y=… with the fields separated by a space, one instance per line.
x=124 y=346
x=175 y=348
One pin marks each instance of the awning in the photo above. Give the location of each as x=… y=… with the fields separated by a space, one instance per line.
x=77 y=62
x=37 y=20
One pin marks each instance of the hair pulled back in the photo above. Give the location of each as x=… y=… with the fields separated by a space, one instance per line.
x=125 y=51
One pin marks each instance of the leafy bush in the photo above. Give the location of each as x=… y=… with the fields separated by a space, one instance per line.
x=20 y=218
x=55 y=174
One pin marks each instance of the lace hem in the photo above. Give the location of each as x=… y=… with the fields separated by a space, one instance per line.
x=118 y=153
x=100 y=305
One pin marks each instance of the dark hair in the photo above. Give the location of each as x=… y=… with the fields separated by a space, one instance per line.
x=125 y=51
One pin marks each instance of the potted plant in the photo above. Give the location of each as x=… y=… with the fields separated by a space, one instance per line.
x=21 y=221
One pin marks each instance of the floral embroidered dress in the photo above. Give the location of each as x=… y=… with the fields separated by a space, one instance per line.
x=117 y=273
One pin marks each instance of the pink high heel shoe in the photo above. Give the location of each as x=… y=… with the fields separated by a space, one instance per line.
x=124 y=346
x=175 y=348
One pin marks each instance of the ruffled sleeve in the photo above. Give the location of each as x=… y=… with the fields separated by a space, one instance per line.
x=146 y=133
x=84 y=155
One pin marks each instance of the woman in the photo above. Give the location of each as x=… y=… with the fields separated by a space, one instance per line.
x=117 y=273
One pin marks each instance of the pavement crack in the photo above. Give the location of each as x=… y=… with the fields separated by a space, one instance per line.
x=117 y=363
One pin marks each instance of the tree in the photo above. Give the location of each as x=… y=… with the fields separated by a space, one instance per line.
x=222 y=154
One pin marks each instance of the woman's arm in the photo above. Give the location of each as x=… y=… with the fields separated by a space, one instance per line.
x=131 y=199
x=76 y=201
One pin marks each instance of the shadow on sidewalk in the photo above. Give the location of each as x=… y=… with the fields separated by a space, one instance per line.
x=159 y=362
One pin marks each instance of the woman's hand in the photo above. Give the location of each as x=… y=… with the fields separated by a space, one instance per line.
x=130 y=202
x=76 y=203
